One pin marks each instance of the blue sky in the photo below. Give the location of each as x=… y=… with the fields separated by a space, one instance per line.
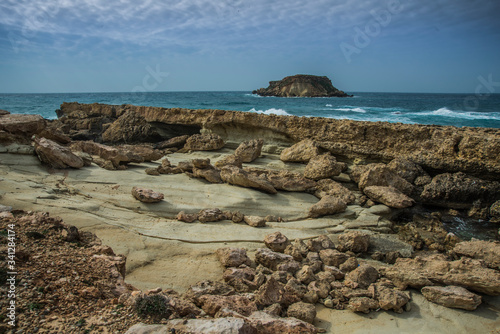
x=192 y=45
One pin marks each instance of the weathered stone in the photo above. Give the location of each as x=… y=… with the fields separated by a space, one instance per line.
x=349 y=265
x=211 y=304
x=197 y=326
x=237 y=176
x=204 y=142
x=237 y=217
x=130 y=127
x=210 y=215
x=390 y=299
x=336 y=272
x=495 y=209
x=270 y=259
x=233 y=257
x=250 y=150
x=269 y=293
x=332 y=257
x=362 y=304
x=361 y=277
x=55 y=155
x=321 y=287
x=389 y=196
x=276 y=241
x=460 y=191
x=452 y=296
x=210 y=174
x=354 y=241
x=230 y=160
x=488 y=251
x=330 y=187
x=381 y=175
x=208 y=288
x=115 y=155
x=268 y=324
x=328 y=205
x=244 y=273
x=302 y=311
x=323 y=166
x=305 y=275
x=255 y=221
x=21 y=125
x=302 y=151
x=319 y=243
x=406 y=169
x=152 y=171
x=187 y=217
x=436 y=269
x=146 y=195
x=177 y=142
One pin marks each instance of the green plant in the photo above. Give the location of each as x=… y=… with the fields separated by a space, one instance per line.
x=155 y=305
x=34 y=306
x=81 y=323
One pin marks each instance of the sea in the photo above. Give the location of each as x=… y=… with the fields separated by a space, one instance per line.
x=459 y=110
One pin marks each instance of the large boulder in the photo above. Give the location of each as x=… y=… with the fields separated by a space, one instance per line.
x=323 y=166
x=328 y=205
x=237 y=176
x=24 y=126
x=249 y=150
x=204 y=142
x=381 y=175
x=55 y=155
x=389 y=196
x=437 y=270
x=301 y=85
x=302 y=151
x=460 y=191
x=452 y=296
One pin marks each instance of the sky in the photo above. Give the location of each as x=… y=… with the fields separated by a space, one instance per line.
x=438 y=46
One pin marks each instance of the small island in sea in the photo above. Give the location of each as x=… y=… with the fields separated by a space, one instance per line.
x=179 y=220
x=301 y=85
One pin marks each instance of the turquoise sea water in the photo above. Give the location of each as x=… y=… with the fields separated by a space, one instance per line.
x=442 y=109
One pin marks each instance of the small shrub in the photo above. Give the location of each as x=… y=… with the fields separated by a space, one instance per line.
x=155 y=306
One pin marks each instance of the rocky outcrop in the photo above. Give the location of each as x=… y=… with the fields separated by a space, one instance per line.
x=250 y=150
x=302 y=151
x=328 y=205
x=301 y=86
x=323 y=166
x=237 y=176
x=489 y=252
x=435 y=148
x=389 y=196
x=204 y=142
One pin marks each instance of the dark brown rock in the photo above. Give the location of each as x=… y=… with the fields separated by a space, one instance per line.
x=362 y=277
x=233 y=257
x=55 y=155
x=330 y=187
x=276 y=241
x=204 y=142
x=146 y=195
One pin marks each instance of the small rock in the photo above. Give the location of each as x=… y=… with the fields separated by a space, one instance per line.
x=452 y=296
x=303 y=311
x=277 y=242
x=146 y=195
x=255 y=221
x=328 y=205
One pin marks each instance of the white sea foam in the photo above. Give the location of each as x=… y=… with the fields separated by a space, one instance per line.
x=472 y=115
x=354 y=109
x=328 y=105
x=272 y=111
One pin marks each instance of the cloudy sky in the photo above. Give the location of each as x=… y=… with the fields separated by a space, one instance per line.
x=193 y=45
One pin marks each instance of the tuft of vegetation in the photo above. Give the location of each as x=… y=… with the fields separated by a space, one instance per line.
x=34 y=306
x=154 y=305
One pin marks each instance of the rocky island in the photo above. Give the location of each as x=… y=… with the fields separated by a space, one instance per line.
x=301 y=85
x=221 y=221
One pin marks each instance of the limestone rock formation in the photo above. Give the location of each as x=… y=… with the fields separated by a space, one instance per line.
x=250 y=150
x=237 y=176
x=323 y=166
x=389 y=196
x=328 y=205
x=301 y=86
x=330 y=187
x=55 y=155
x=452 y=296
x=302 y=151
x=204 y=142
x=489 y=252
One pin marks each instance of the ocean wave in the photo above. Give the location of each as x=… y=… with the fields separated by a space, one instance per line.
x=472 y=115
x=272 y=111
x=357 y=109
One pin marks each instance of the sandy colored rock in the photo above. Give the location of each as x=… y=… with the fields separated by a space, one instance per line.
x=362 y=277
x=250 y=150
x=146 y=195
x=229 y=160
x=210 y=174
x=390 y=298
x=452 y=296
x=328 y=205
x=255 y=221
x=389 y=196
x=211 y=304
x=433 y=270
x=354 y=241
x=302 y=311
x=407 y=169
x=270 y=259
x=381 y=175
x=55 y=155
x=330 y=187
x=204 y=142
x=323 y=166
x=237 y=176
x=233 y=257
x=284 y=180
x=362 y=304
x=268 y=324
x=488 y=251
x=130 y=127
x=177 y=142
x=210 y=215
x=277 y=242
x=303 y=151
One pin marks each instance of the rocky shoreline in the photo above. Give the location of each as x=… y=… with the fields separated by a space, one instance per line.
x=351 y=213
